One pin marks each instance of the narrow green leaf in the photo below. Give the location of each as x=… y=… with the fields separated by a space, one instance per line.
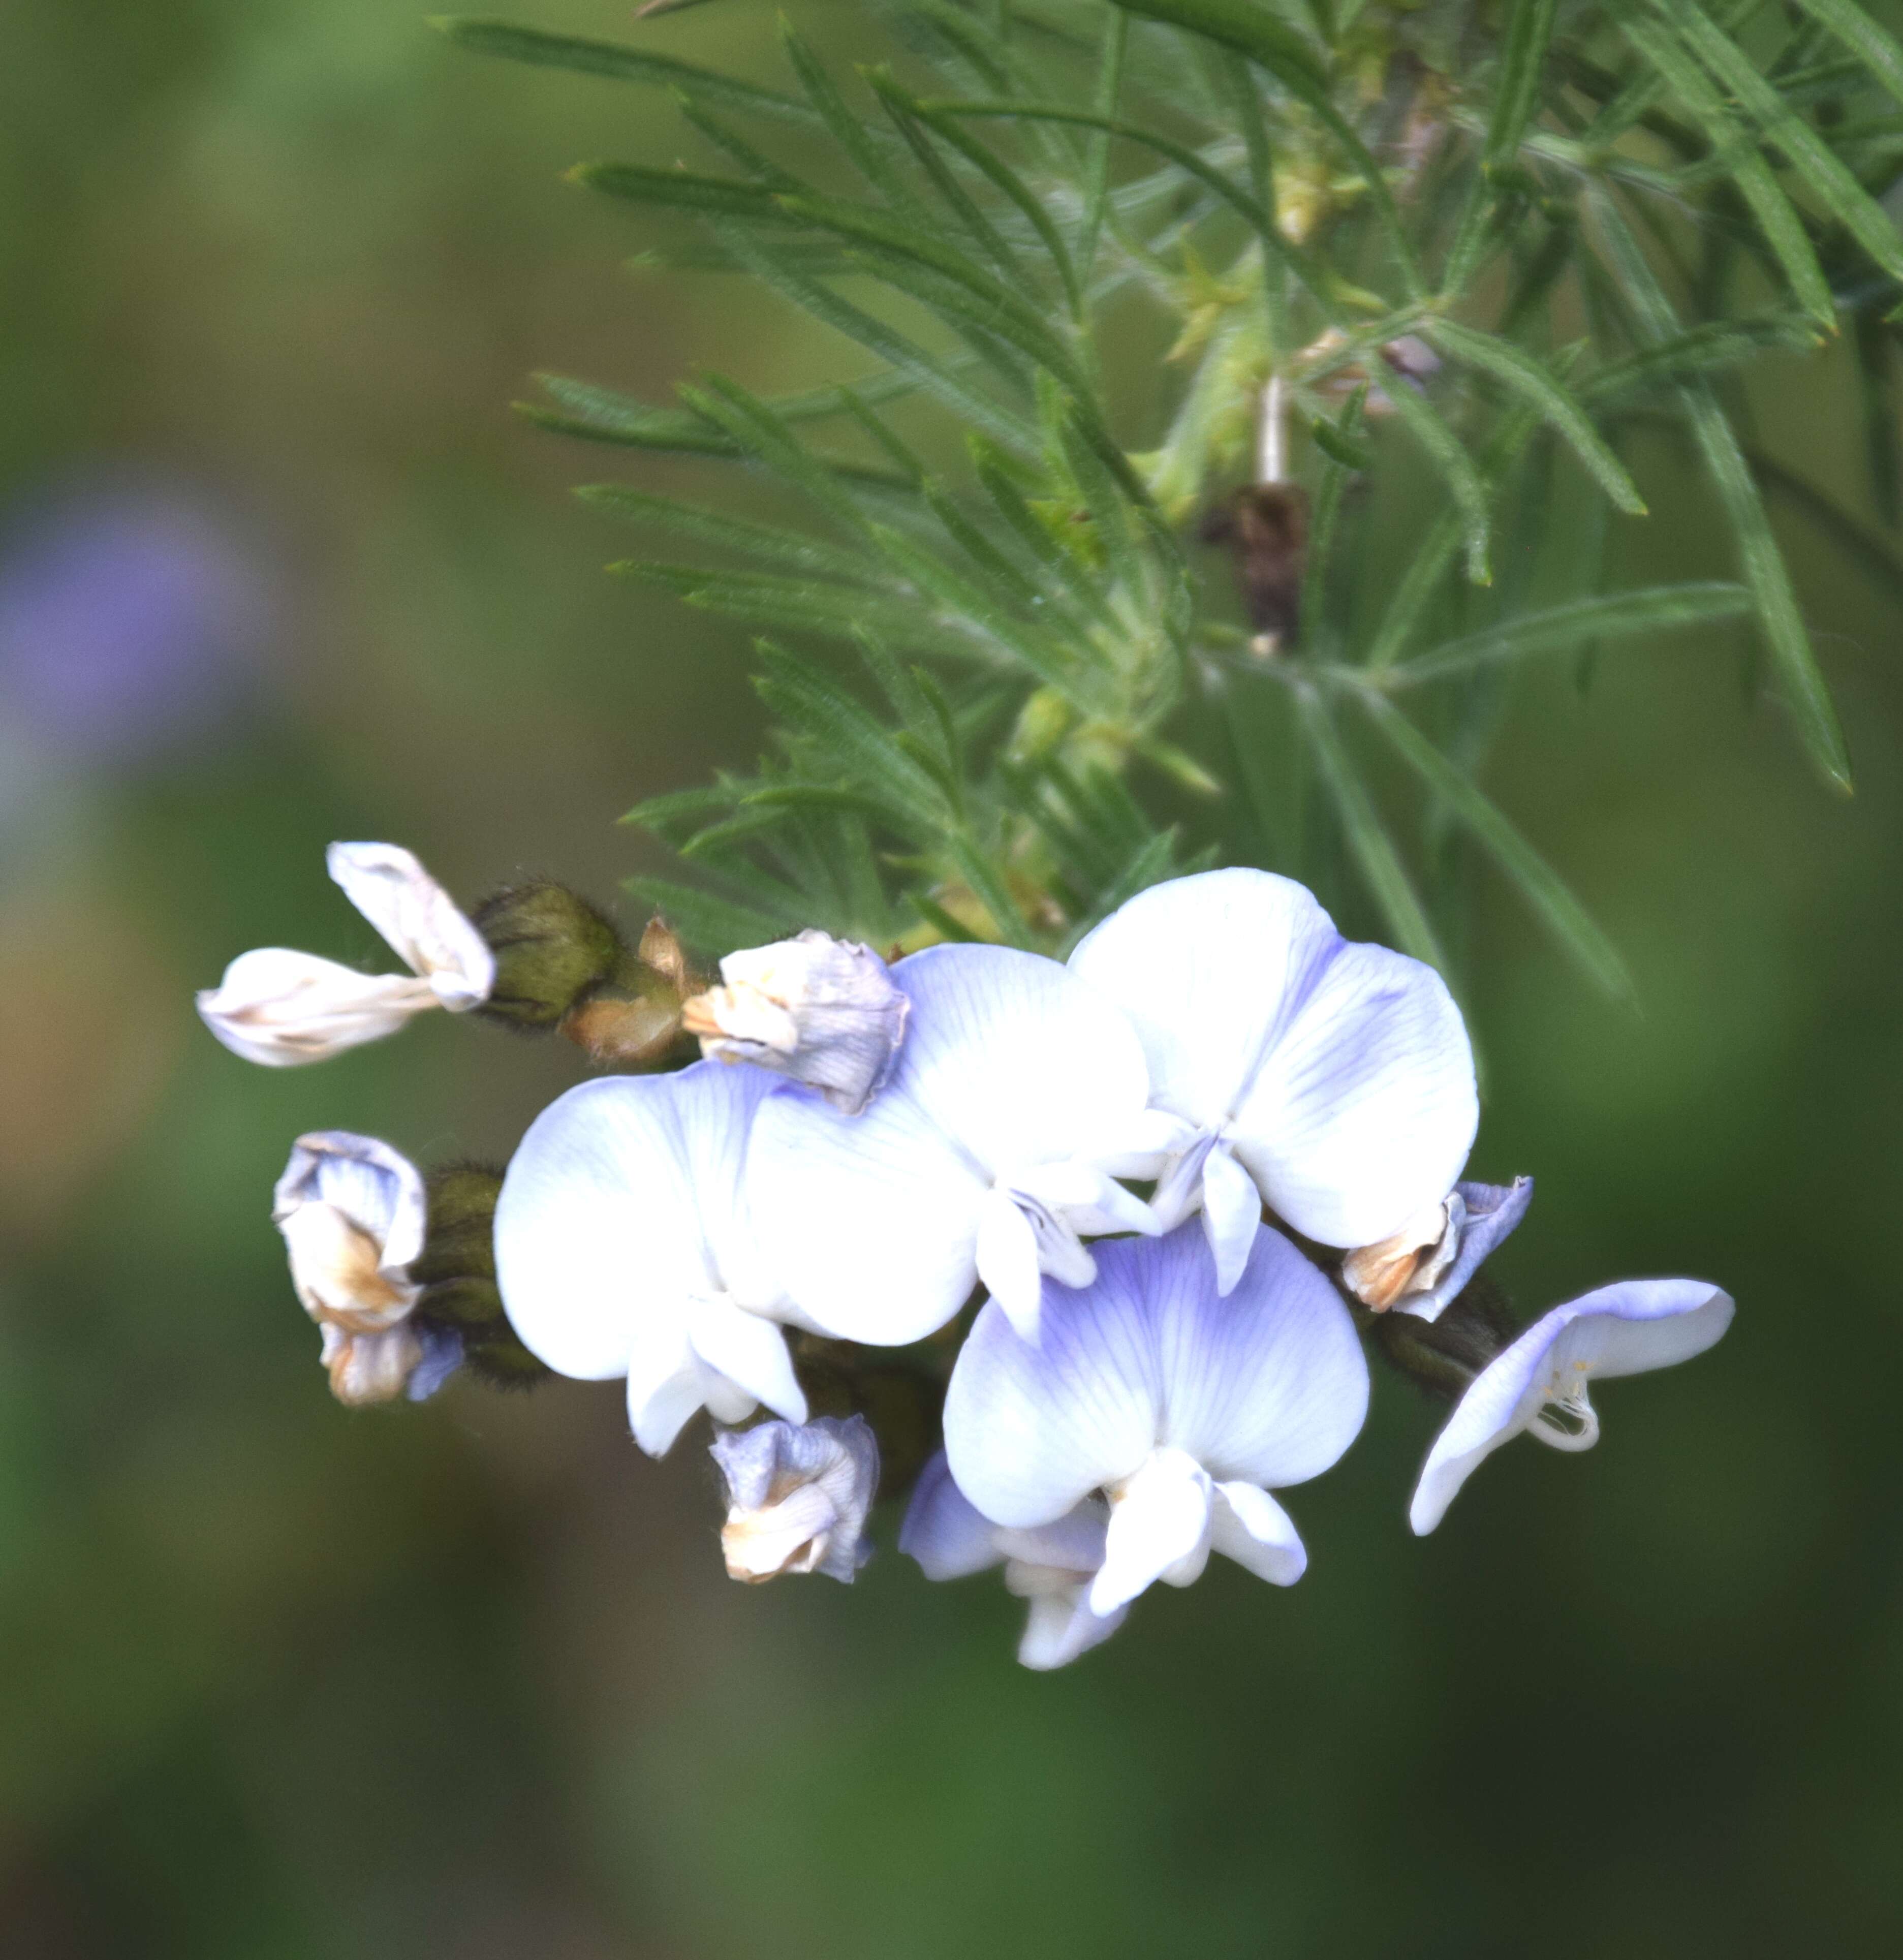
x=1429 y=565
x=1254 y=30
x=660 y=812
x=1245 y=99
x=1558 y=405
x=989 y=887
x=1009 y=314
x=813 y=703
x=616 y=61
x=1813 y=159
x=987 y=161
x=930 y=373
x=867 y=152
x=1561 y=629
x=1704 y=349
x=1542 y=886
x=1516 y=88
x=1449 y=456
x=1763 y=564
x=804 y=605
x=1853 y=24
x=1268 y=234
x=958 y=200
x=602 y=415
x=941 y=921
x=1783 y=229
x=710 y=924
x=714 y=527
x=1097 y=176
x=1340 y=445
x=685 y=190
x=1367 y=837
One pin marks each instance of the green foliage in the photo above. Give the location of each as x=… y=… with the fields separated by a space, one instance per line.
x=1002 y=676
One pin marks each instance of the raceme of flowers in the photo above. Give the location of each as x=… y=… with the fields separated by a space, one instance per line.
x=1162 y=1189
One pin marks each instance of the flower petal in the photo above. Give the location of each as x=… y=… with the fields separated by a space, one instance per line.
x=1061 y=1626
x=1492 y=1211
x=1016 y=1059
x=602 y=1229
x=420 y=919
x=667 y=1388
x=376 y=1187
x=1232 y=1208
x=1030 y=1431
x=1250 y=1527
x=1269 y=1385
x=1160 y=1525
x=1621 y=1329
x=1364 y=1109
x=750 y=1352
x=283 y=1009
x=1008 y=1262
x=1209 y=969
x=944 y=1530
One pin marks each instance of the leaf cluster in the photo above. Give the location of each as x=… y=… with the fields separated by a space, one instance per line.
x=1006 y=692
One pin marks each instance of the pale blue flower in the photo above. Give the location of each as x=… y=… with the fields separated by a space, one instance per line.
x=798 y=1496
x=1333 y=1080
x=1183 y=1407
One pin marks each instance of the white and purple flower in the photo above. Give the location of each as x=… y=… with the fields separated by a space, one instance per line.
x=798 y=1496
x=1333 y=1080
x=1184 y=1407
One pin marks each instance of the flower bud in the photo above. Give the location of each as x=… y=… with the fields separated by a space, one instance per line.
x=822 y=1010
x=798 y=1496
x=551 y=948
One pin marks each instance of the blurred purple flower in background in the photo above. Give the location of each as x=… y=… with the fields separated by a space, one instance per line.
x=130 y=612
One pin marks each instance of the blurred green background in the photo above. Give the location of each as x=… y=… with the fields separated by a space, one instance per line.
x=278 y=566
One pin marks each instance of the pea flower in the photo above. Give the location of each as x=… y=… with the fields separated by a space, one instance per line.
x=1184 y=1407
x=1050 y=1565
x=798 y=1496
x=1422 y=1268
x=1333 y=1080
x=353 y=1213
x=283 y=1009
x=822 y=1010
x=987 y=1155
x=1537 y=1386
x=623 y=1248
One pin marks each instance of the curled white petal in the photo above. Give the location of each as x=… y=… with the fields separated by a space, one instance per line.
x=1232 y=1208
x=820 y=1010
x=797 y=1495
x=420 y=920
x=1624 y=1329
x=1247 y=1525
x=368 y=1368
x=1489 y=1212
x=283 y=1009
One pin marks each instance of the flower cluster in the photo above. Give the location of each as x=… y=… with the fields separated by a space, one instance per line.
x=1163 y=1189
